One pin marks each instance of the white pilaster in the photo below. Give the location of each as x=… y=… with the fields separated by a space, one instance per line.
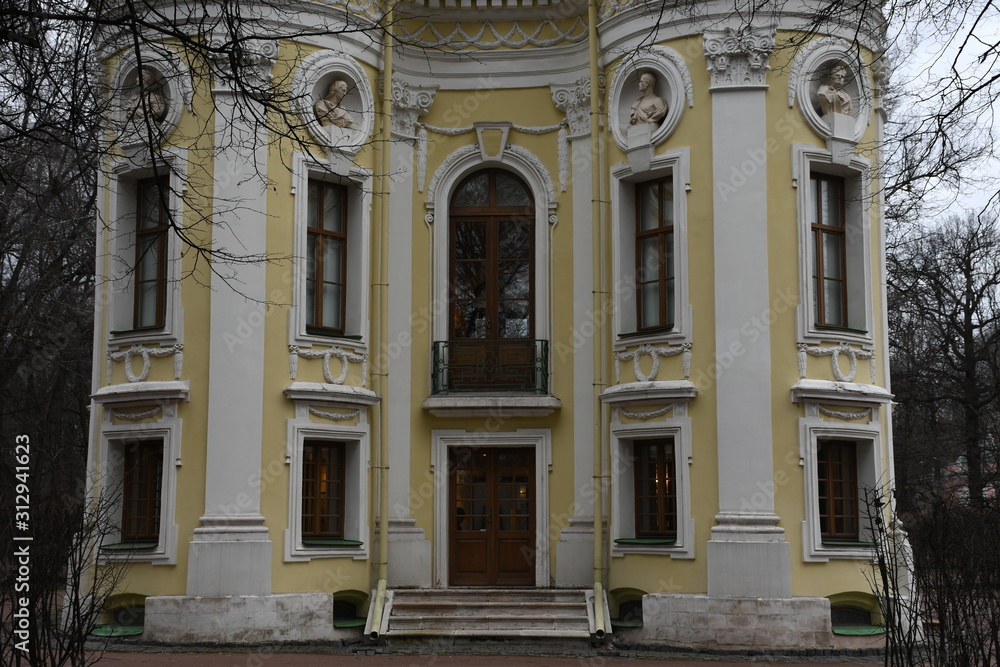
x=230 y=553
x=409 y=550
x=575 y=548
x=747 y=555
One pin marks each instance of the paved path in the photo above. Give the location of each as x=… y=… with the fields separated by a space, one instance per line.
x=264 y=659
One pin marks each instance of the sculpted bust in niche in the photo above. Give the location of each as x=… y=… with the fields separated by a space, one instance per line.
x=146 y=102
x=831 y=95
x=649 y=108
x=328 y=109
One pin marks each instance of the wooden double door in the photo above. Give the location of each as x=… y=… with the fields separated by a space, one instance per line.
x=491 y=516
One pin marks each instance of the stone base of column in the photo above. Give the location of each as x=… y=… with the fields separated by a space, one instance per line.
x=705 y=621
x=410 y=555
x=749 y=557
x=575 y=553
x=229 y=556
x=238 y=619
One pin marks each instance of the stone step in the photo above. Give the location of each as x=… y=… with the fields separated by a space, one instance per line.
x=478 y=612
x=477 y=608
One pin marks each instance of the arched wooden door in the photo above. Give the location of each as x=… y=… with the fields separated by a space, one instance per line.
x=492 y=251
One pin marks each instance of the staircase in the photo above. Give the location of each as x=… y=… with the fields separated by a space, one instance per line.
x=486 y=612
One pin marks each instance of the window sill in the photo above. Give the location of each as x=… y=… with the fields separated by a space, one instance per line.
x=332 y=335
x=141 y=545
x=491 y=405
x=646 y=541
x=625 y=625
x=828 y=391
x=656 y=331
x=644 y=393
x=859 y=630
x=334 y=544
x=671 y=335
x=161 y=335
x=847 y=544
x=177 y=391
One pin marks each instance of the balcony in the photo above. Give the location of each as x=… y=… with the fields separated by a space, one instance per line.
x=476 y=365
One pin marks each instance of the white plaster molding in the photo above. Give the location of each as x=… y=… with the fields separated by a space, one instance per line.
x=673 y=84
x=310 y=83
x=812 y=60
x=491 y=405
x=562 y=148
x=334 y=416
x=409 y=102
x=678 y=392
x=488 y=36
x=739 y=57
x=574 y=101
x=834 y=353
x=655 y=353
x=143 y=392
x=334 y=395
x=849 y=415
x=343 y=355
x=839 y=393
x=645 y=414
x=136 y=416
x=176 y=351
x=257 y=57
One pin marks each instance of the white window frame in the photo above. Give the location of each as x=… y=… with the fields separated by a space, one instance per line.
x=359 y=198
x=868 y=437
x=114 y=438
x=623 y=436
x=674 y=164
x=121 y=219
x=807 y=160
x=356 y=463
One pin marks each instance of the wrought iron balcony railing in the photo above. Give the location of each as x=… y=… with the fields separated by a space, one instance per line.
x=506 y=365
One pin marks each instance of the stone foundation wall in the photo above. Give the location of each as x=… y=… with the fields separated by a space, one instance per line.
x=240 y=619
x=700 y=621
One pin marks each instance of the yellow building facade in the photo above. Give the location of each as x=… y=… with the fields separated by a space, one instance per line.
x=497 y=346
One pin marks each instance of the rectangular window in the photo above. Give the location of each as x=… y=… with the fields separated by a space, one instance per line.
x=654 y=254
x=829 y=250
x=150 y=254
x=326 y=258
x=837 y=471
x=143 y=482
x=655 y=488
x=322 y=490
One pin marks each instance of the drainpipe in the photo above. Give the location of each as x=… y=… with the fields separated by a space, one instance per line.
x=598 y=262
x=381 y=294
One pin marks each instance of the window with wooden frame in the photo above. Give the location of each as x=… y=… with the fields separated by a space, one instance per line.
x=837 y=470
x=655 y=488
x=492 y=257
x=150 y=268
x=326 y=258
x=829 y=250
x=143 y=483
x=322 y=490
x=654 y=254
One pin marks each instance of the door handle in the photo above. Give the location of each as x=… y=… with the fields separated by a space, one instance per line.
x=489 y=516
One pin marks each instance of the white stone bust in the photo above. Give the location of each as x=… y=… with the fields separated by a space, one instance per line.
x=155 y=107
x=649 y=108
x=328 y=109
x=831 y=94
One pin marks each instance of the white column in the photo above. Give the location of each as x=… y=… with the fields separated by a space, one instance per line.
x=575 y=548
x=747 y=555
x=409 y=550
x=230 y=553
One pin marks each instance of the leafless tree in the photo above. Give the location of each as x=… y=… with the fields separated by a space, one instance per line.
x=946 y=351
